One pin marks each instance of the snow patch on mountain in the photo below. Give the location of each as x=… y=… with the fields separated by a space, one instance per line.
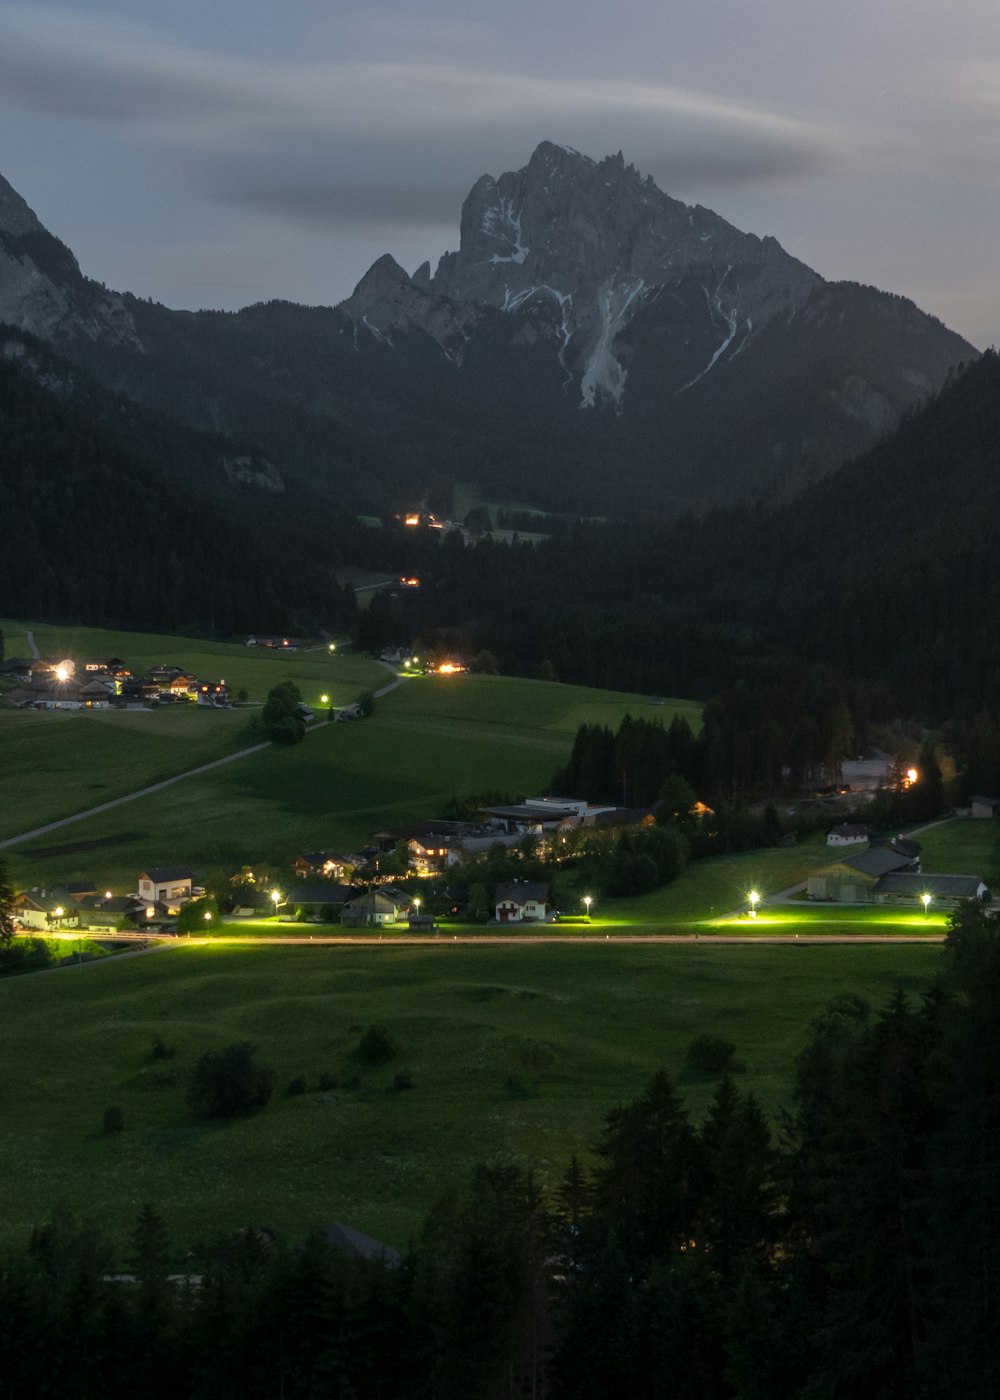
x=604 y=371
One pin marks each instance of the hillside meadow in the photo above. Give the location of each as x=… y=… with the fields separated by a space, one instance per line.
x=431 y=739
x=513 y=1052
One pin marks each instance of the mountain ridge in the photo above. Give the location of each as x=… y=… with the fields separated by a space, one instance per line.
x=592 y=342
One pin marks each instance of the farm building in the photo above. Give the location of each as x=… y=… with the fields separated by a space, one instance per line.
x=853 y=879
x=983 y=808
x=946 y=891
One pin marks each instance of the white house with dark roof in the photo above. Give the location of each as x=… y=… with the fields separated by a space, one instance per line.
x=522 y=902
x=166 y=884
x=847 y=834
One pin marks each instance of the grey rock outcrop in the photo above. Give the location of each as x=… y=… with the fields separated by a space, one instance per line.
x=42 y=289
x=387 y=300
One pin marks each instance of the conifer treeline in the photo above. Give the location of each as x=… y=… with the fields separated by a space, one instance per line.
x=855 y=1254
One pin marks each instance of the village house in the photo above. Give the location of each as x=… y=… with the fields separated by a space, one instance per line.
x=171 y=885
x=215 y=693
x=376 y=909
x=847 y=834
x=522 y=902
x=984 y=808
x=326 y=863
x=41 y=910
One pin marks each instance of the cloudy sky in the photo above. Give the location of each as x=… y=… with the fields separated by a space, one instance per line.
x=219 y=152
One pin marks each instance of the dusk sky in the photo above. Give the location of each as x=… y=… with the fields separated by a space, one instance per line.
x=215 y=154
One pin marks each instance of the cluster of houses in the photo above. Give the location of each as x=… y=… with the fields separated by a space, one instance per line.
x=100 y=682
x=160 y=894
x=886 y=871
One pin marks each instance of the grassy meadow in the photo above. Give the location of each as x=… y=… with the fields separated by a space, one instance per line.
x=431 y=739
x=513 y=1052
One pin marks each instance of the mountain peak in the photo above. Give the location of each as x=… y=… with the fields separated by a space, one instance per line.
x=590 y=241
x=42 y=289
x=16 y=218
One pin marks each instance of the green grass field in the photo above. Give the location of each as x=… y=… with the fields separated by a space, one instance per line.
x=429 y=740
x=54 y=764
x=512 y=1051
x=963 y=847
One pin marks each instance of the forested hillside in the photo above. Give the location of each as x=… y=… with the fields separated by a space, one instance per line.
x=887 y=572
x=96 y=532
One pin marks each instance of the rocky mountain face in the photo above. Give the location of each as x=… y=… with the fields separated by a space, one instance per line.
x=42 y=289
x=593 y=345
x=598 y=244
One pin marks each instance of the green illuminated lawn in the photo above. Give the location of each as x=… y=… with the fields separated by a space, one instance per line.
x=512 y=1051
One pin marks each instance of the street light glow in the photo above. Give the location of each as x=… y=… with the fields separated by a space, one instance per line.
x=925 y=900
x=588 y=901
x=324 y=699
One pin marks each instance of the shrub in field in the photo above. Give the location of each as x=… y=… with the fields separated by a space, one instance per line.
x=290 y=730
x=163 y=1051
x=113 y=1120
x=229 y=1083
x=710 y=1054
x=376 y=1046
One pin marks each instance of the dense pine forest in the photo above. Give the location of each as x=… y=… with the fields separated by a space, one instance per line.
x=98 y=531
x=848 y=1250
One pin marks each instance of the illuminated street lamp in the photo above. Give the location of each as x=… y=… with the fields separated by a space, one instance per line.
x=925 y=900
x=587 y=902
x=208 y=916
x=58 y=912
x=276 y=897
x=108 y=894
x=753 y=898
x=324 y=699
x=332 y=646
